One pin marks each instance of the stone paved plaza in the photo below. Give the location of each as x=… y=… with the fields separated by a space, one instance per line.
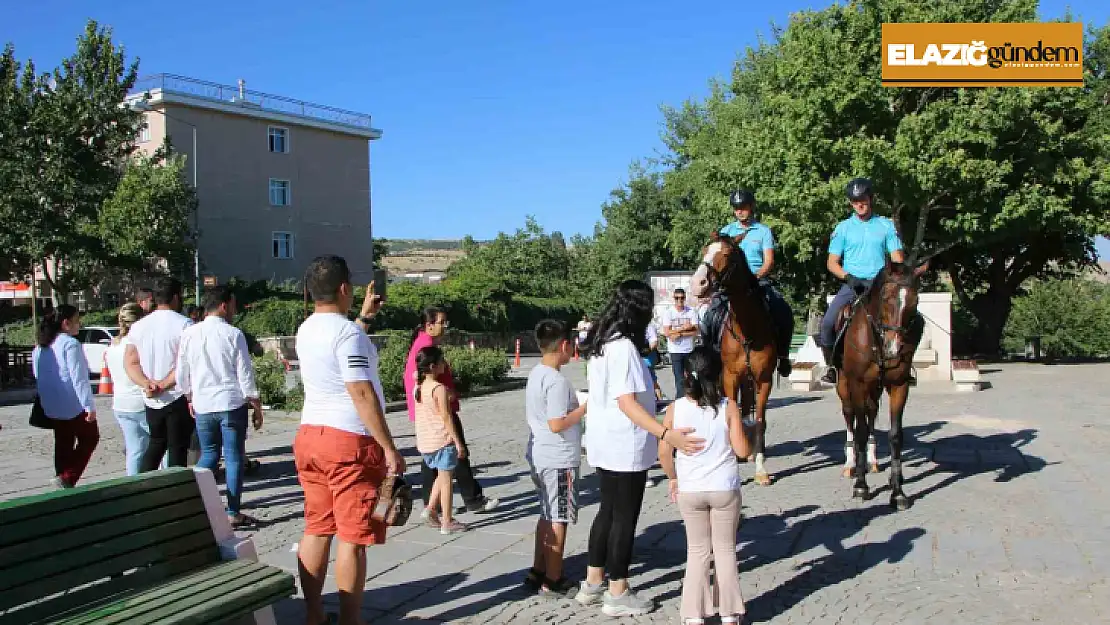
x=1009 y=523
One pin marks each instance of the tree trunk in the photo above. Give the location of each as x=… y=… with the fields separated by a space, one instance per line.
x=991 y=310
x=56 y=296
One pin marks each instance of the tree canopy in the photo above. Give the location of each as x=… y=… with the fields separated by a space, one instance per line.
x=71 y=190
x=1012 y=183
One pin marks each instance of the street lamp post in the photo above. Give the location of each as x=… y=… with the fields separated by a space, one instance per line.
x=143 y=106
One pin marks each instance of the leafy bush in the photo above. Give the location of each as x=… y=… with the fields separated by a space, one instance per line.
x=1072 y=317
x=391 y=368
x=526 y=312
x=480 y=367
x=269 y=375
x=272 y=316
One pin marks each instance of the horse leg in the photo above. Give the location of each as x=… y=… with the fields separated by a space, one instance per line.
x=849 y=445
x=898 y=396
x=730 y=384
x=760 y=399
x=872 y=453
x=861 y=420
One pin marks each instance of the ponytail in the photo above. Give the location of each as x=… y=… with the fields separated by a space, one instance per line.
x=51 y=324
x=426 y=358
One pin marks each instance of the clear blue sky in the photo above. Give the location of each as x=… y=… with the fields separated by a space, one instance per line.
x=491 y=110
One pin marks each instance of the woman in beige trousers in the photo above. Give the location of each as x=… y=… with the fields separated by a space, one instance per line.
x=706 y=487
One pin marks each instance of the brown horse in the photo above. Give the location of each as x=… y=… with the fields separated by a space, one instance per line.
x=748 y=352
x=878 y=347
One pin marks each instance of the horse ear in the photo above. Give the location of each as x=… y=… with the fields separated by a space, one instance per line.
x=922 y=268
x=737 y=239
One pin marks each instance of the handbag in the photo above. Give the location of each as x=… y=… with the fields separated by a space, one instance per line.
x=394 y=503
x=38 y=416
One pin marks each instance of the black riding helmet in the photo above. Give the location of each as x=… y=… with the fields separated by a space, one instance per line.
x=741 y=197
x=858 y=189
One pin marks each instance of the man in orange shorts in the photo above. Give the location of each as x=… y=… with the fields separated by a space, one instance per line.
x=343 y=448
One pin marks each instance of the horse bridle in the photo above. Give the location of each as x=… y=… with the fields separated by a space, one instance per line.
x=878 y=329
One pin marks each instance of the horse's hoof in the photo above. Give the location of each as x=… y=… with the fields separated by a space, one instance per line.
x=762 y=479
x=900 y=502
x=860 y=493
x=846 y=472
x=874 y=467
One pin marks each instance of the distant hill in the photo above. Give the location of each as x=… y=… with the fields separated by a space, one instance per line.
x=397 y=246
x=418 y=255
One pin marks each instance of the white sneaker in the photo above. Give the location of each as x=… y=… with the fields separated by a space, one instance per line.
x=627 y=604
x=588 y=595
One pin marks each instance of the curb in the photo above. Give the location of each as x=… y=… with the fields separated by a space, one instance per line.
x=510 y=385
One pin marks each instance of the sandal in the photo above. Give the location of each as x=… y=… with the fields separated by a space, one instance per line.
x=561 y=587
x=242 y=521
x=454 y=528
x=534 y=579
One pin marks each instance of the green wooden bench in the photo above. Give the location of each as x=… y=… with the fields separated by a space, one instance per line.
x=130 y=550
x=796 y=343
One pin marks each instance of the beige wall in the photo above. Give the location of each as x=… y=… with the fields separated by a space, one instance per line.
x=328 y=174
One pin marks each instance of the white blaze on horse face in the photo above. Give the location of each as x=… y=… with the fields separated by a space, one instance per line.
x=699 y=284
x=895 y=344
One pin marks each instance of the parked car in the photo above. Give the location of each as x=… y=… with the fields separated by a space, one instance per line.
x=95 y=341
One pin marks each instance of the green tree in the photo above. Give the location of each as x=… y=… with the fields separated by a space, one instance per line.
x=631 y=240
x=381 y=250
x=980 y=173
x=528 y=262
x=1072 y=318
x=147 y=216
x=72 y=139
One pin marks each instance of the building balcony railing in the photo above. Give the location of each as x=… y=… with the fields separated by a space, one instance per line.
x=170 y=83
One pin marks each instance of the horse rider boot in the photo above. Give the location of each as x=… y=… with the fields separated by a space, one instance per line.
x=758 y=243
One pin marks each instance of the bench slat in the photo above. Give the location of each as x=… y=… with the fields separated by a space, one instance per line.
x=121 y=525
x=55 y=502
x=197 y=592
x=241 y=602
x=23 y=584
x=78 y=600
x=143 y=510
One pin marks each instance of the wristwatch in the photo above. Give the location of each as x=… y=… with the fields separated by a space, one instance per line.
x=365 y=320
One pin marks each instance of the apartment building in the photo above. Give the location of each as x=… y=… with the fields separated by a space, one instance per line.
x=279 y=181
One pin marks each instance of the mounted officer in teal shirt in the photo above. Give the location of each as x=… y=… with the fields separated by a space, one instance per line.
x=858 y=251
x=758 y=246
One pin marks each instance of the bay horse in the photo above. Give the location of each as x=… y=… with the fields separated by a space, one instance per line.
x=748 y=352
x=878 y=346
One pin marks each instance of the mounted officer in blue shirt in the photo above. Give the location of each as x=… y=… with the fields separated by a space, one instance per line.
x=758 y=246
x=858 y=251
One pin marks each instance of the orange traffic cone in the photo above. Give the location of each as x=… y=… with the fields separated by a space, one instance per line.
x=105 y=381
x=516 y=361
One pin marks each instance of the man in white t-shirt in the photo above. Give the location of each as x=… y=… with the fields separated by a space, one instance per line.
x=151 y=362
x=680 y=326
x=343 y=449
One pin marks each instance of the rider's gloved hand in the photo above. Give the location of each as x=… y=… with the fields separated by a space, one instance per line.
x=857 y=285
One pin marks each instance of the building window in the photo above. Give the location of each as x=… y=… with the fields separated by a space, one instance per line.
x=279 y=192
x=279 y=139
x=283 y=245
x=144 y=134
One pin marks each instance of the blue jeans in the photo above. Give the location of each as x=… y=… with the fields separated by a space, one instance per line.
x=136 y=438
x=678 y=367
x=828 y=323
x=231 y=428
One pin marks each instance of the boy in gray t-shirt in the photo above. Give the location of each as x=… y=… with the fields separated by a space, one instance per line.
x=554 y=454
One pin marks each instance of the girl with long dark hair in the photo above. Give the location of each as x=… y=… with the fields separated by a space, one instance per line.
x=62 y=377
x=429 y=332
x=620 y=440
x=706 y=487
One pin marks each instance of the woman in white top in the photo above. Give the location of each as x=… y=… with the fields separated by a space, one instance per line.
x=127 y=397
x=706 y=487
x=620 y=440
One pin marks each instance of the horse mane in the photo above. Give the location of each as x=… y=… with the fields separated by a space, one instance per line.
x=897 y=273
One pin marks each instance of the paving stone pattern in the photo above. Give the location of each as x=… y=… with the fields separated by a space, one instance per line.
x=1008 y=523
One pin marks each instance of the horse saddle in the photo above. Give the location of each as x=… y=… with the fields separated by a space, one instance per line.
x=716 y=319
x=843 y=318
